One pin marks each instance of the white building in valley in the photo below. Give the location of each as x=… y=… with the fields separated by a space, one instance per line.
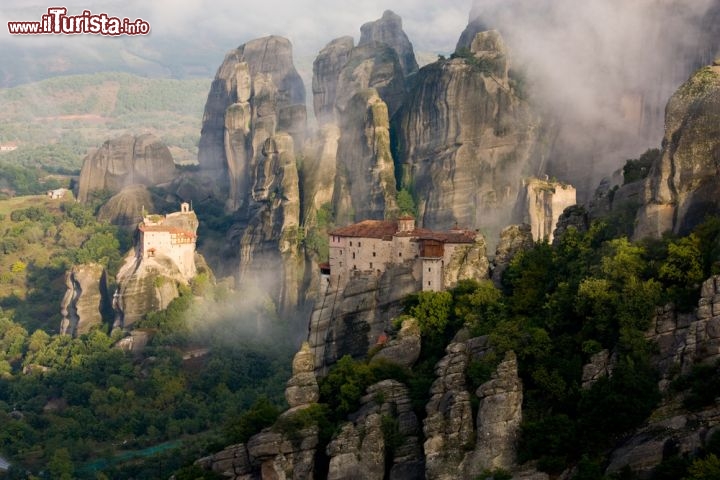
x=370 y=246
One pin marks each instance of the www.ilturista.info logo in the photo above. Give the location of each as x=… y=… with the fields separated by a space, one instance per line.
x=58 y=22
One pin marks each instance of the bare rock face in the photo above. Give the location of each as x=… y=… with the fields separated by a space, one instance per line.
x=124 y=161
x=683 y=185
x=267 y=455
x=365 y=178
x=85 y=299
x=601 y=365
x=404 y=349
x=465 y=140
x=542 y=202
x=256 y=93
x=388 y=30
x=449 y=428
x=513 y=239
x=359 y=450
x=125 y=208
x=266 y=234
x=572 y=217
x=302 y=388
x=326 y=72
x=498 y=421
x=468 y=262
x=351 y=320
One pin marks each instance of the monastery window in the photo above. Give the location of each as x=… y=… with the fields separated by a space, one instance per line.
x=351 y=243
x=353 y=255
x=428 y=283
x=359 y=244
x=429 y=270
x=370 y=265
x=341 y=264
x=400 y=254
x=354 y=267
x=373 y=254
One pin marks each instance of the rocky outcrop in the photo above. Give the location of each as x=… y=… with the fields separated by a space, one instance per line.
x=365 y=178
x=350 y=320
x=683 y=185
x=302 y=388
x=125 y=208
x=85 y=299
x=256 y=93
x=326 y=73
x=498 y=421
x=601 y=365
x=542 y=202
x=468 y=262
x=513 y=240
x=575 y=217
x=465 y=139
x=449 y=428
x=144 y=286
x=385 y=431
x=388 y=30
x=404 y=349
x=267 y=455
x=124 y=161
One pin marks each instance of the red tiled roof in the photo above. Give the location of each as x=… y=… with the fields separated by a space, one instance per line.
x=386 y=228
x=368 y=229
x=172 y=230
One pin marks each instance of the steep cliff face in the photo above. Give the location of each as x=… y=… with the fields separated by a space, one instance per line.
x=388 y=30
x=465 y=139
x=683 y=185
x=124 y=161
x=85 y=299
x=513 y=240
x=365 y=176
x=326 y=73
x=256 y=93
x=267 y=232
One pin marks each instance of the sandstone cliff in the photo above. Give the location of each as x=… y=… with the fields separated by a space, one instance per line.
x=365 y=179
x=388 y=30
x=266 y=234
x=85 y=299
x=124 y=161
x=326 y=72
x=256 y=93
x=683 y=186
x=465 y=139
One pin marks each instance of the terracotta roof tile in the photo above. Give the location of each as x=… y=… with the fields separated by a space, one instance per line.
x=386 y=228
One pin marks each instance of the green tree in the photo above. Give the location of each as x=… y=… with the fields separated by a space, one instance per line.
x=60 y=465
x=707 y=468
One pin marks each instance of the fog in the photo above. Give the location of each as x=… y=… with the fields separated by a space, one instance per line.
x=605 y=69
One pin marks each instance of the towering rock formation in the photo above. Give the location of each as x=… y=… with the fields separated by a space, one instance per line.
x=365 y=177
x=163 y=258
x=254 y=122
x=85 y=299
x=256 y=93
x=465 y=139
x=388 y=30
x=124 y=161
x=683 y=185
x=326 y=72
